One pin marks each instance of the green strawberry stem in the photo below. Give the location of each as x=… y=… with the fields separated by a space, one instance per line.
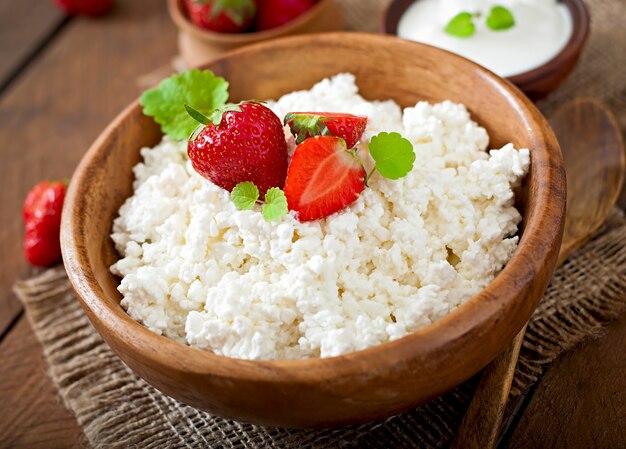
x=303 y=126
x=197 y=115
x=237 y=10
x=369 y=175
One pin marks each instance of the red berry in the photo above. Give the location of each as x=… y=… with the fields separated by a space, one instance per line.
x=248 y=145
x=222 y=16
x=323 y=178
x=85 y=7
x=307 y=124
x=42 y=218
x=274 y=13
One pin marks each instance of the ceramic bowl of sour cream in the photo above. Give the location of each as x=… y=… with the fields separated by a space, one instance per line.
x=536 y=51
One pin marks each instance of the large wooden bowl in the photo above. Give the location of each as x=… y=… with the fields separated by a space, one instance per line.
x=361 y=386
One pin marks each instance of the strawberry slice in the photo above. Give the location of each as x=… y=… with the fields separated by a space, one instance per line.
x=307 y=124
x=323 y=177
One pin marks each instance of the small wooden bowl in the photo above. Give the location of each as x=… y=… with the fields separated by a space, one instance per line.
x=197 y=45
x=536 y=83
x=361 y=386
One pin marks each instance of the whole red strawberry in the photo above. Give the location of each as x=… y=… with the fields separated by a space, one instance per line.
x=244 y=142
x=42 y=218
x=274 y=13
x=307 y=124
x=85 y=7
x=323 y=178
x=222 y=16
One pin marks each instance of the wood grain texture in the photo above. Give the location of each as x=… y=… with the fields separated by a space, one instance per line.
x=48 y=118
x=198 y=46
x=581 y=401
x=480 y=428
x=536 y=83
x=31 y=413
x=60 y=104
x=593 y=151
x=23 y=27
x=361 y=386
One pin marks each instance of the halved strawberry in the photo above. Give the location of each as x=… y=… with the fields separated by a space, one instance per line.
x=323 y=177
x=307 y=124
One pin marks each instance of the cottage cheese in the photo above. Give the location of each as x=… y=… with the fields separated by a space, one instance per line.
x=405 y=254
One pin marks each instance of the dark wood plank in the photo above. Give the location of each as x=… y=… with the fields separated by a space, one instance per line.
x=23 y=27
x=32 y=415
x=49 y=117
x=52 y=113
x=581 y=401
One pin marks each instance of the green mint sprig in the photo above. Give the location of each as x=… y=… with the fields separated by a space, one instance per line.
x=275 y=206
x=393 y=154
x=462 y=25
x=245 y=195
x=201 y=90
x=500 y=19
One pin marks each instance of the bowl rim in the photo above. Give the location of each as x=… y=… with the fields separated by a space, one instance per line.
x=544 y=228
x=175 y=9
x=581 y=21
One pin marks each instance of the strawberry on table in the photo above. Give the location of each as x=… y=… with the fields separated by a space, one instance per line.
x=42 y=218
x=323 y=178
x=240 y=143
x=222 y=16
x=274 y=13
x=85 y=7
x=306 y=124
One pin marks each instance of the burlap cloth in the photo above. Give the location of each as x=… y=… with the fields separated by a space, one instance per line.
x=116 y=409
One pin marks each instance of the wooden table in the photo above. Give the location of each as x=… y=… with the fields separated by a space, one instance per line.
x=61 y=81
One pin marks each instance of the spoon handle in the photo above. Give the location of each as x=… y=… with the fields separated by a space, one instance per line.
x=482 y=422
x=593 y=150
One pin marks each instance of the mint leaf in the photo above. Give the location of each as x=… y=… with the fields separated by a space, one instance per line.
x=461 y=25
x=393 y=154
x=201 y=90
x=275 y=204
x=244 y=195
x=500 y=19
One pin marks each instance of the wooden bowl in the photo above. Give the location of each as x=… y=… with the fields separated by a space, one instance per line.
x=198 y=45
x=360 y=386
x=536 y=83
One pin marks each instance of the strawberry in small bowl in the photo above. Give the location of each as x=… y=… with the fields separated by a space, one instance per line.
x=208 y=28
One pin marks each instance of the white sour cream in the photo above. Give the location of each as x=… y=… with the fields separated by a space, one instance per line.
x=542 y=28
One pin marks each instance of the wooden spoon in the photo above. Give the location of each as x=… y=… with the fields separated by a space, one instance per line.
x=593 y=150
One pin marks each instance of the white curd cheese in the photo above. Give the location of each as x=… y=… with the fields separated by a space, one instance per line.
x=542 y=28
x=405 y=254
